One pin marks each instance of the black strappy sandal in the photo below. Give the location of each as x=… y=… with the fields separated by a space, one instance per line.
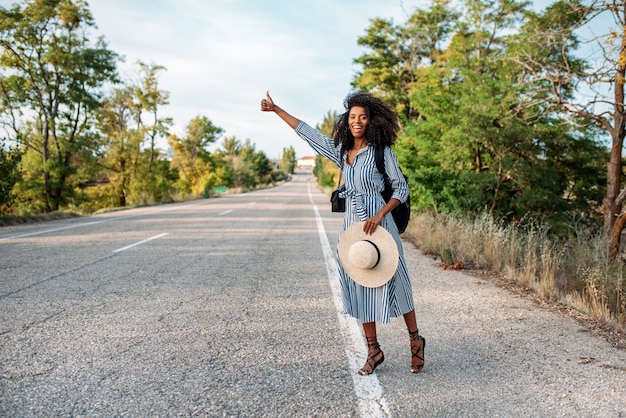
x=375 y=357
x=418 y=343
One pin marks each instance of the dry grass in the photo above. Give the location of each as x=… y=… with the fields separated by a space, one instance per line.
x=27 y=219
x=573 y=272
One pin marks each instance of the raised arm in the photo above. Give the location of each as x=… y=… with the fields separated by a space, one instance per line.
x=318 y=141
x=267 y=105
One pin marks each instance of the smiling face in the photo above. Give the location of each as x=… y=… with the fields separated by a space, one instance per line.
x=357 y=120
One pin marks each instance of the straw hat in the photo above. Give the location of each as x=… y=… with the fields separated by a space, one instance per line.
x=370 y=260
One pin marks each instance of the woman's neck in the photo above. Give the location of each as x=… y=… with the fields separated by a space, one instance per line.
x=360 y=143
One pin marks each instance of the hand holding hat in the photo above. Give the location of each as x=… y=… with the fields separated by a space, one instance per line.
x=370 y=260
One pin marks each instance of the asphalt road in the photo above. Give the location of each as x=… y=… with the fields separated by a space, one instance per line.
x=229 y=307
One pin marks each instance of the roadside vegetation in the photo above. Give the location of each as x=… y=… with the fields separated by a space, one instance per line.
x=42 y=217
x=79 y=138
x=573 y=270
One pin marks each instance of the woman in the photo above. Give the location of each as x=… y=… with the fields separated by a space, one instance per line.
x=367 y=124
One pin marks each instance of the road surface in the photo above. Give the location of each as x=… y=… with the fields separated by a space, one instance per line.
x=230 y=307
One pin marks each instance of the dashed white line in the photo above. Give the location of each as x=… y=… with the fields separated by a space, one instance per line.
x=226 y=212
x=53 y=230
x=117 y=218
x=139 y=243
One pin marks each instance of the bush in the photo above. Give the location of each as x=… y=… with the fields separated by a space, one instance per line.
x=574 y=270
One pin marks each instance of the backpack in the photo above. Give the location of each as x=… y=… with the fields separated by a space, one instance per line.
x=402 y=212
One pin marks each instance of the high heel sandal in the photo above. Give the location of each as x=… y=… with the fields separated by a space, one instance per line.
x=375 y=357
x=418 y=343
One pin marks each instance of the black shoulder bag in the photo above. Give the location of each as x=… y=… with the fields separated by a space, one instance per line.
x=337 y=203
x=402 y=212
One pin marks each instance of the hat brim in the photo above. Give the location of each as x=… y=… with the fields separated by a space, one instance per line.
x=387 y=265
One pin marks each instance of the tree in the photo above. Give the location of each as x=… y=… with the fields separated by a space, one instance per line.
x=289 y=160
x=150 y=99
x=572 y=85
x=191 y=155
x=49 y=87
x=152 y=177
x=397 y=51
x=328 y=122
x=477 y=135
x=251 y=167
x=133 y=173
x=9 y=175
x=231 y=146
x=247 y=167
x=122 y=141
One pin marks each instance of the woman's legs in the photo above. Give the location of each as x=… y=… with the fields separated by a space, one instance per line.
x=411 y=322
x=417 y=342
x=375 y=355
x=369 y=328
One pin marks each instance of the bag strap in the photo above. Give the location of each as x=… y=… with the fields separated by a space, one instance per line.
x=379 y=156
x=340 y=178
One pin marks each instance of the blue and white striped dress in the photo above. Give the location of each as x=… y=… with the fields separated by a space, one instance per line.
x=364 y=185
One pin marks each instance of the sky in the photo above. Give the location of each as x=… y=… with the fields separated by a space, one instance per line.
x=221 y=56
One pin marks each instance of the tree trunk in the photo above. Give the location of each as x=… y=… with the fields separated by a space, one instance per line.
x=46 y=174
x=614 y=219
x=122 y=190
x=616 y=236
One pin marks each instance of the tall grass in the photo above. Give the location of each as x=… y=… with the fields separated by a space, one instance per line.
x=574 y=271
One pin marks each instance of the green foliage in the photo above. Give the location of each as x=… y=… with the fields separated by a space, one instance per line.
x=134 y=173
x=30 y=187
x=477 y=135
x=251 y=168
x=86 y=150
x=191 y=156
x=49 y=88
x=326 y=127
x=152 y=182
x=10 y=158
x=397 y=51
x=289 y=160
x=122 y=143
x=326 y=172
x=149 y=98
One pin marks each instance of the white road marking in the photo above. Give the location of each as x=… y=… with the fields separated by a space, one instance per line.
x=140 y=242
x=225 y=212
x=117 y=218
x=369 y=392
x=54 y=230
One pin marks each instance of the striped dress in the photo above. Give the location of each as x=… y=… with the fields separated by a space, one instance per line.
x=364 y=185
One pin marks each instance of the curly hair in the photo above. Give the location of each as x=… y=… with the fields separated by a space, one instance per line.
x=383 y=123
